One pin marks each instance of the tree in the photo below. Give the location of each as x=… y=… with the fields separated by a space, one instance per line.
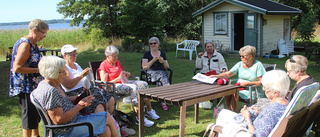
x=101 y=14
x=142 y=18
x=304 y=23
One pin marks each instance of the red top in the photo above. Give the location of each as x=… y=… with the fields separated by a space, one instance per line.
x=113 y=72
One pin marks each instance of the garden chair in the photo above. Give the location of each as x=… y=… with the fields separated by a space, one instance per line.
x=188 y=45
x=145 y=77
x=105 y=85
x=49 y=126
x=295 y=114
x=283 y=47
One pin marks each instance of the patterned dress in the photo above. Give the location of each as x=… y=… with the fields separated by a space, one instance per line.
x=25 y=83
x=267 y=119
x=249 y=74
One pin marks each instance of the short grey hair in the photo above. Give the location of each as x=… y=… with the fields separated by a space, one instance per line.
x=205 y=44
x=110 y=50
x=154 y=39
x=49 y=66
x=249 y=50
x=300 y=63
x=281 y=84
x=38 y=24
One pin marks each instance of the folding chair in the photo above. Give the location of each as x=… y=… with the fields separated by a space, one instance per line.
x=47 y=123
x=295 y=114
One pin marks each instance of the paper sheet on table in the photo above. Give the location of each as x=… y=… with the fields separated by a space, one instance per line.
x=204 y=78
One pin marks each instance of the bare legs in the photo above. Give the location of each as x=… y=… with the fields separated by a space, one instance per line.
x=111 y=129
x=148 y=104
x=231 y=102
x=30 y=132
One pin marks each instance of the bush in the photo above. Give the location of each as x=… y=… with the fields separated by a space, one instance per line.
x=132 y=44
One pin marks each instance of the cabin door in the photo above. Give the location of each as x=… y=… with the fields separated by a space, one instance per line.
x=250 y=29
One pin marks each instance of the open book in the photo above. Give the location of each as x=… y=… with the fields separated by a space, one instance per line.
x=204 y=78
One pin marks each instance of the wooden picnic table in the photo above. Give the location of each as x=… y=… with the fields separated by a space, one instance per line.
x=55 y=51
x=183 y=95
x=44 y=51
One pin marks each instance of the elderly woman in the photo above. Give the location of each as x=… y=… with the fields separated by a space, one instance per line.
x=275 y=90
x=297 y=70
x=74 y=82
x=250 y=72
x=211 y=60
x=155 y=63
x=59 y=106
x=111 y=71
x=24 y=74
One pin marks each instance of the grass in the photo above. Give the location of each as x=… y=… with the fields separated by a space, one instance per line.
x=168 y=125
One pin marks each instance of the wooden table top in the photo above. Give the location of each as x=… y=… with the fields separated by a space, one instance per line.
x=176 y=93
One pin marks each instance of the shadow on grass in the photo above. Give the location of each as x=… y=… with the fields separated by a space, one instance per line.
x=8 y=106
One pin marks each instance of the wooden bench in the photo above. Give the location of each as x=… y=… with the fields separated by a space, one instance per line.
x=188 y=45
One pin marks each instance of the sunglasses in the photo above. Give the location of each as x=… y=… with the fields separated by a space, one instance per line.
x=243 y=56
x=292 y=60
x=153 y=43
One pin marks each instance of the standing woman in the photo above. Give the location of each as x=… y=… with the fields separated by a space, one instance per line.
x=24 y=74
x=155 y=63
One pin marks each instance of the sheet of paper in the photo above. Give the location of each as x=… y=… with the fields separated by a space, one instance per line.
x=204 y=78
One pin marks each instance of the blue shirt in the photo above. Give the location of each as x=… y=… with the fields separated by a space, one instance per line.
x=25 y=83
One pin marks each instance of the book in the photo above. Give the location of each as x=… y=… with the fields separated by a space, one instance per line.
x=203 y=78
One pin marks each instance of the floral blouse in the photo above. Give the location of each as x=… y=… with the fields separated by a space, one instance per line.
x=267 y=119
x=24 y=83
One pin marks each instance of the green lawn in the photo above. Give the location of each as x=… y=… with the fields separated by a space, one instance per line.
x=167 y=125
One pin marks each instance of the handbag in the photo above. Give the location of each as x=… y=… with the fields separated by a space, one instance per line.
x=86 y=92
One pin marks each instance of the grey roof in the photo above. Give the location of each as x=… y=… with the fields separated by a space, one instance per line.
x=266 y=7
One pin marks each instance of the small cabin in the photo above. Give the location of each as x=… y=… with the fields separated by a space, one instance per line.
x=236 y=23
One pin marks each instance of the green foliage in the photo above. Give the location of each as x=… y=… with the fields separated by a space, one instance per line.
x=306 y=27
x=310 y=9
x=132 y=44
x=142 y=18
x=101 y=14
x=96 y=37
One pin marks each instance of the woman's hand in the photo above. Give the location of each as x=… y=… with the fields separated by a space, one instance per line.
x=161 y=60
x=85 y=72
x=200 y=54
x=213 y=76
x=85 y=102
x=245 y=83
x=245 y=113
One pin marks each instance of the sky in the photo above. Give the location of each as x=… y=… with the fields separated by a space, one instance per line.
x=28 y=10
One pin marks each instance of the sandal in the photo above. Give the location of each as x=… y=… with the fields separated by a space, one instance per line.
x=164 y=106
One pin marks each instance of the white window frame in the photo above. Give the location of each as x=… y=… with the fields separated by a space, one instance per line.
x=220 y=23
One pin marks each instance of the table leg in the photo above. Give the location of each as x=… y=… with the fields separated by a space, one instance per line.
x=237 y=99
x=182 y=127
x=196 y=113
x=140 y=113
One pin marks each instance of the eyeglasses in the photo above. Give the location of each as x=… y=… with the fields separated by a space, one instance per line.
x=72 y=55
x=153 y=43
x=63 y=72
x=243 y=56
x=44 y=34
x=292 y=60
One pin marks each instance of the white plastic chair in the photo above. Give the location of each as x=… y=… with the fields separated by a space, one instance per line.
x=283 y=47
x=188 y=45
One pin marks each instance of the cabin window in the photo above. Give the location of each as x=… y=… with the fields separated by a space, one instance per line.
x=220 y=23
